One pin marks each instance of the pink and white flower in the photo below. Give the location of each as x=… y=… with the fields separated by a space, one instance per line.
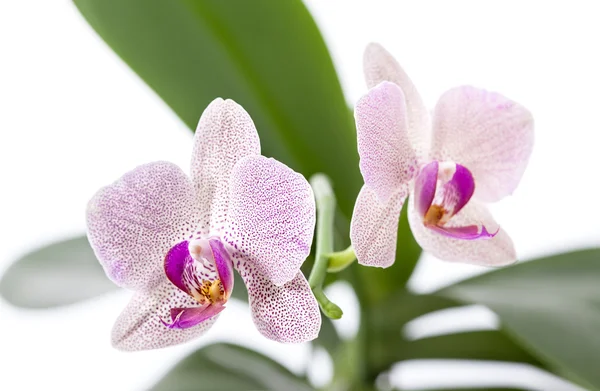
x=175 y=240
x=473 y=149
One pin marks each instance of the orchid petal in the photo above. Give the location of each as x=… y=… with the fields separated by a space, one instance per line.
x=176 y=261
x=374 y=227
x=225 y=134
x=496 y=251
x=271 y=217
x=379 y=65
x=387 y=160
x=288 y=313
x=140 y=325
x=469 y=232
x=223 y=264
x=486 y=132
x=184 y=318
x=425 y=187
x=136 y=220
x=458 y=190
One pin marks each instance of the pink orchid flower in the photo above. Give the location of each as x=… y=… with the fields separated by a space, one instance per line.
x=176 y=240
x=473 y=149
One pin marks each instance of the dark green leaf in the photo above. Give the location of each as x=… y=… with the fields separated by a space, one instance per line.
x=267 y=55
x=384 y=321
x=61 y=273
x=226 y=367
x=472 y=345
x=550 y=305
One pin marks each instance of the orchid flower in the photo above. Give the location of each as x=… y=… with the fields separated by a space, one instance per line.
x=473 y=149
x=176 y=240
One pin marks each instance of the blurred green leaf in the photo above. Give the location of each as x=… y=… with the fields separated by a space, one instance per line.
x=267 y=55
x=472 y=345
x=550 y=305
x=226 y=367
x=387 y=345
x=59 y=274
x=383 y=324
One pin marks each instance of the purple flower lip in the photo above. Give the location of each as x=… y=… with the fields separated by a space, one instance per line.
x=201 y=268
x=441 y=191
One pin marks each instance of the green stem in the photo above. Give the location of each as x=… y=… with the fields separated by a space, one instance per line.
x=340 y=260
x=325 y=200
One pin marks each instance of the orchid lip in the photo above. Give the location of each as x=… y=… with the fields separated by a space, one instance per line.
x=202 y=268
x=442 y=189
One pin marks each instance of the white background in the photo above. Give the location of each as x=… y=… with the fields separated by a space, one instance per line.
x=73 y=118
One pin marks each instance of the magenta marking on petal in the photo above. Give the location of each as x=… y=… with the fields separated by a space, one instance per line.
x=175 y=262
x=470 y=232
x=184 y=318
x=425 y=187
x=224 y=265
x=459 y=190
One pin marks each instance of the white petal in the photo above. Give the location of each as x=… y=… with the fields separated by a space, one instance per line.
x=225 y=134
x=134 y=222
x=387 y=159
x=139 y=326
x=374 y=227
x=379 y=65
x=496 y=251
x=288 y=313
x=487 y=133
x=271 y=217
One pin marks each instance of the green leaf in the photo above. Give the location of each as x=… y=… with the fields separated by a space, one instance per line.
x=267 y=55
x=472 y=345
x=551 y=306
x=383 y=323
x=59 y=274
x=226 y=367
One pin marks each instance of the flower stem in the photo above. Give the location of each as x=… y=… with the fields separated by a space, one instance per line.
x=340 y=260
x=325 y=200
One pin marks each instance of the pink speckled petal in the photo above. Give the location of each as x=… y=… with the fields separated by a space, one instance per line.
x=225 y=134
x=374 y=227
x=469 y=232
x=184 y=318
x=223 y=265
x=139 y=327
x=136 y=220
x=287 y=313
x=379 y=65
x=271 y=217
x=387 y=159
x=486 y=132
x=496 y=251
x=425 y=187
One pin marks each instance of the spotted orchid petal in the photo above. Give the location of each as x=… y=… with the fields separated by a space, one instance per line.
x=141 y=325
x=271 y=217
x=184 y=318
x=374 y=227
x=225 y=134
x=288 y=313
x=487 y=251
x=136 y=220
x=379 y=66
x=387 y=159
x=486 y=132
